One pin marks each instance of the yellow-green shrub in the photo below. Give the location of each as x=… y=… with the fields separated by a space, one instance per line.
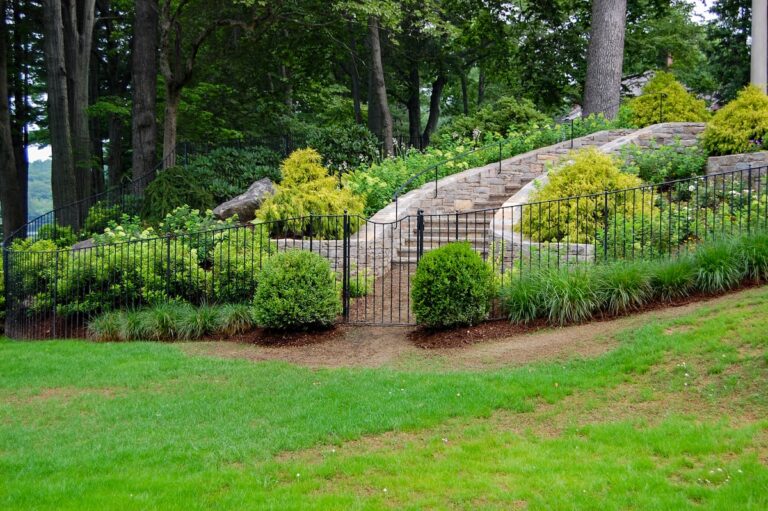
x=578 y=220
x=677 y=105
x=740 y=126
x=307 y=190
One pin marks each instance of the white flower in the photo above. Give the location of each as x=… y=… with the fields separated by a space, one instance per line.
x=691 y=188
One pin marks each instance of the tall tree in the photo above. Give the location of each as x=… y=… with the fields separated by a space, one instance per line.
x=144 y=90
x=63 y=182
x=13 y=191
x=605 y=58
x=381 y=124
x=79 y=18
x=759 y=56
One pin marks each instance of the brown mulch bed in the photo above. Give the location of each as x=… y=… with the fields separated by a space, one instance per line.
x=489 y=330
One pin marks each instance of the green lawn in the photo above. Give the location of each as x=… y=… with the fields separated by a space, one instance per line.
x=674 y=418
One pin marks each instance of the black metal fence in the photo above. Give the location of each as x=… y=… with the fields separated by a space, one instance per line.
x=53 y=293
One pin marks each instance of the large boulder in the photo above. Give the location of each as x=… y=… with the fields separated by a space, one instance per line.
x=246 y=204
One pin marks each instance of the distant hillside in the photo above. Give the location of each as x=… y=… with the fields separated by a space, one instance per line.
x=40 y=199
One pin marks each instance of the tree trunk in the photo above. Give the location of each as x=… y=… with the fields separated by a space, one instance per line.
x=759 y=64
x=144 y=85
x=605 y=58
x=12 y=198
x=172 y=99
x=115 y=163
x=414 y=107
x=480 y=87
x=95 y=132
x=19 y=122
x=63 y=183
x=374 y=114
x=79 y=17
x=464 y=93
x=379 y=87
x=434 y=108
x=353 y=73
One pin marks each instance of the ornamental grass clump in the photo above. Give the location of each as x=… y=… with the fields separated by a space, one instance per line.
x=107 y=327
x=162 y=322
x=753 y=251
x=522 y=299
x=570 y=295
x=196 y=322
x=624 y=286
x=718 y=266
x=297 y=291
x=233 y=319
x=452 y=286
x=673 y=279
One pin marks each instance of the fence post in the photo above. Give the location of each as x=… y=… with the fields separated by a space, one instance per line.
x=7 y=283
x=168 y=267
x=345 y=267
x=311 y=219
x=749 y=200
x=436 y=170
x=571 y=133
x=53 y=294
x=419 y=235
x=500 y=155
x=605 y=225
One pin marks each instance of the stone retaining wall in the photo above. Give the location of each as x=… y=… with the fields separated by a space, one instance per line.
x=735 y=162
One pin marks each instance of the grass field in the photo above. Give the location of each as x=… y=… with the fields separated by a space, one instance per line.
x=676 y=417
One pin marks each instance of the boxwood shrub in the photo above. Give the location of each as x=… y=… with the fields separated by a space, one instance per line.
x=452 y=286
x=297 y=291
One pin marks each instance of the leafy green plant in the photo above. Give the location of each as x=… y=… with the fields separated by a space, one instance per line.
x=235 y=260
x=233 y=319
x=228 y=171
x=297 y=290
x=753 y=250
x=657 y=164
x=343 y=147
x=499 y=118
x=523 y=300
x=624 y=286
x=61 y=235
x=664 y=99
x=590 y=173
x=307 y=190
x=570 y=295
x=172 y=188
x=100 y=216
x=740 y=126
x=2 y=295
x=452 y=286
x=718 y=266
x=673 y=279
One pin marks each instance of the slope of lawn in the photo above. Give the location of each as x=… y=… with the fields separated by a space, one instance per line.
x=674 y=418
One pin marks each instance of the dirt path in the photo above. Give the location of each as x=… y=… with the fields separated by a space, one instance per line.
x=488 y=346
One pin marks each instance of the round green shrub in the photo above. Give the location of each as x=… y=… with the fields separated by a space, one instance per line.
x=740 y=126
x=297 y=290
x=673 y=279
x=624 y=286
x=570 y=295
x=505 y=115
x=590 y=172
x=522 y=299
x=452 y=286
x=718 y=266
x=676 y=104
